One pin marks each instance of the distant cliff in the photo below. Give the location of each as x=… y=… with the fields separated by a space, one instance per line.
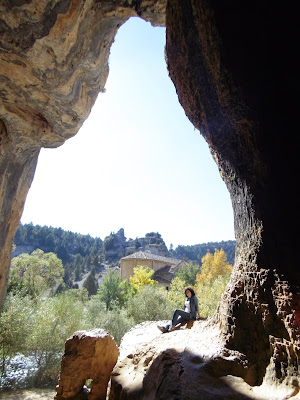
x=117 y=246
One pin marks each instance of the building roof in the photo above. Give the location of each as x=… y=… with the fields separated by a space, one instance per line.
x=146 y=255
x=161 y=279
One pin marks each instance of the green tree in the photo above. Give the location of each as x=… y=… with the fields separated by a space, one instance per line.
x=125 y=292
x=90 y=284
x=188 y=273
x=62 y=251
x=109 y=242
x=38 y=270
x=109 y=290
x=77 y=273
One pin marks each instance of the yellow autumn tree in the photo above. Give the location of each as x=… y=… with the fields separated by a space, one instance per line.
x=212 y=280
x=141 y=277
x=213 y=266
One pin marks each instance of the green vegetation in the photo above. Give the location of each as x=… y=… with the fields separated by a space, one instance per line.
x=108 y=243
x=150 y=304
x=110 y=291
x=78 y=253
x=44 y=305
x=154 y=238
x=188 y=274
x=90 y=284
x=33 y=273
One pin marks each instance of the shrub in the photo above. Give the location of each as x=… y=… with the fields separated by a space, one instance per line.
x=209 y=295
x=15 y=326
x=115 y=322
x=55 y=320
x=150 y=304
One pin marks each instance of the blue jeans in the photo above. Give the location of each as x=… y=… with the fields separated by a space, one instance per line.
x=179 y=316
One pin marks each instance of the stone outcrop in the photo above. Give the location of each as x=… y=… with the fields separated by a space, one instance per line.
x=88 y=355
x=235 y=71
x=190 y=363
x=224 y=63
x=117 y=246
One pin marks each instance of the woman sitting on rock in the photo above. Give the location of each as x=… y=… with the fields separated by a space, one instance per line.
x=191 y=310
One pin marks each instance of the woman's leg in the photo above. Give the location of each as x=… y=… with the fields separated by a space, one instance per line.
x=180 y=316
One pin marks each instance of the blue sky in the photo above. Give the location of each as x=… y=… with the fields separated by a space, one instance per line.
x=137 y=162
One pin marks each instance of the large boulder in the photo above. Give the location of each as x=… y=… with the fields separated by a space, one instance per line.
x=88 y=355
x=190 y=363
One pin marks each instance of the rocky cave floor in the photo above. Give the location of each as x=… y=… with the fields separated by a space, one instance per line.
x=150 y=360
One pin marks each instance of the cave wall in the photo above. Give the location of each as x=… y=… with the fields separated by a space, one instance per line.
x=223 y=58
x=233 y=68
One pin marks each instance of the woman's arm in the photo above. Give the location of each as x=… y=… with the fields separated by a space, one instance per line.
x=197 y=307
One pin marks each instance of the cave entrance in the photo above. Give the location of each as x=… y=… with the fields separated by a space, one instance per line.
x=137 y=162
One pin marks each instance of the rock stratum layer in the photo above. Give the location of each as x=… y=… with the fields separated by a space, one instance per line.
x=233 y=65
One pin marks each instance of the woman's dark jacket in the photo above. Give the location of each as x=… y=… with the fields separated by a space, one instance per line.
x=194 y=307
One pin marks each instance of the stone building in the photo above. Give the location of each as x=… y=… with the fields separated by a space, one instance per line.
x=164 y=267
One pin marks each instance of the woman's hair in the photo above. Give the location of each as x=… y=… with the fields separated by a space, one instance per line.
x=191 y=290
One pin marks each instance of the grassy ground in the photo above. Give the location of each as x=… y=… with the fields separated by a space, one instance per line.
x=28 y=394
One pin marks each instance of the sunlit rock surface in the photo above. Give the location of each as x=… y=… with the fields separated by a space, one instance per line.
x=187 y=364
x=88 y=355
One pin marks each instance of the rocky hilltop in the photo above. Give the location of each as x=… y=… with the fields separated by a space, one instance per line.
x=117 y=246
